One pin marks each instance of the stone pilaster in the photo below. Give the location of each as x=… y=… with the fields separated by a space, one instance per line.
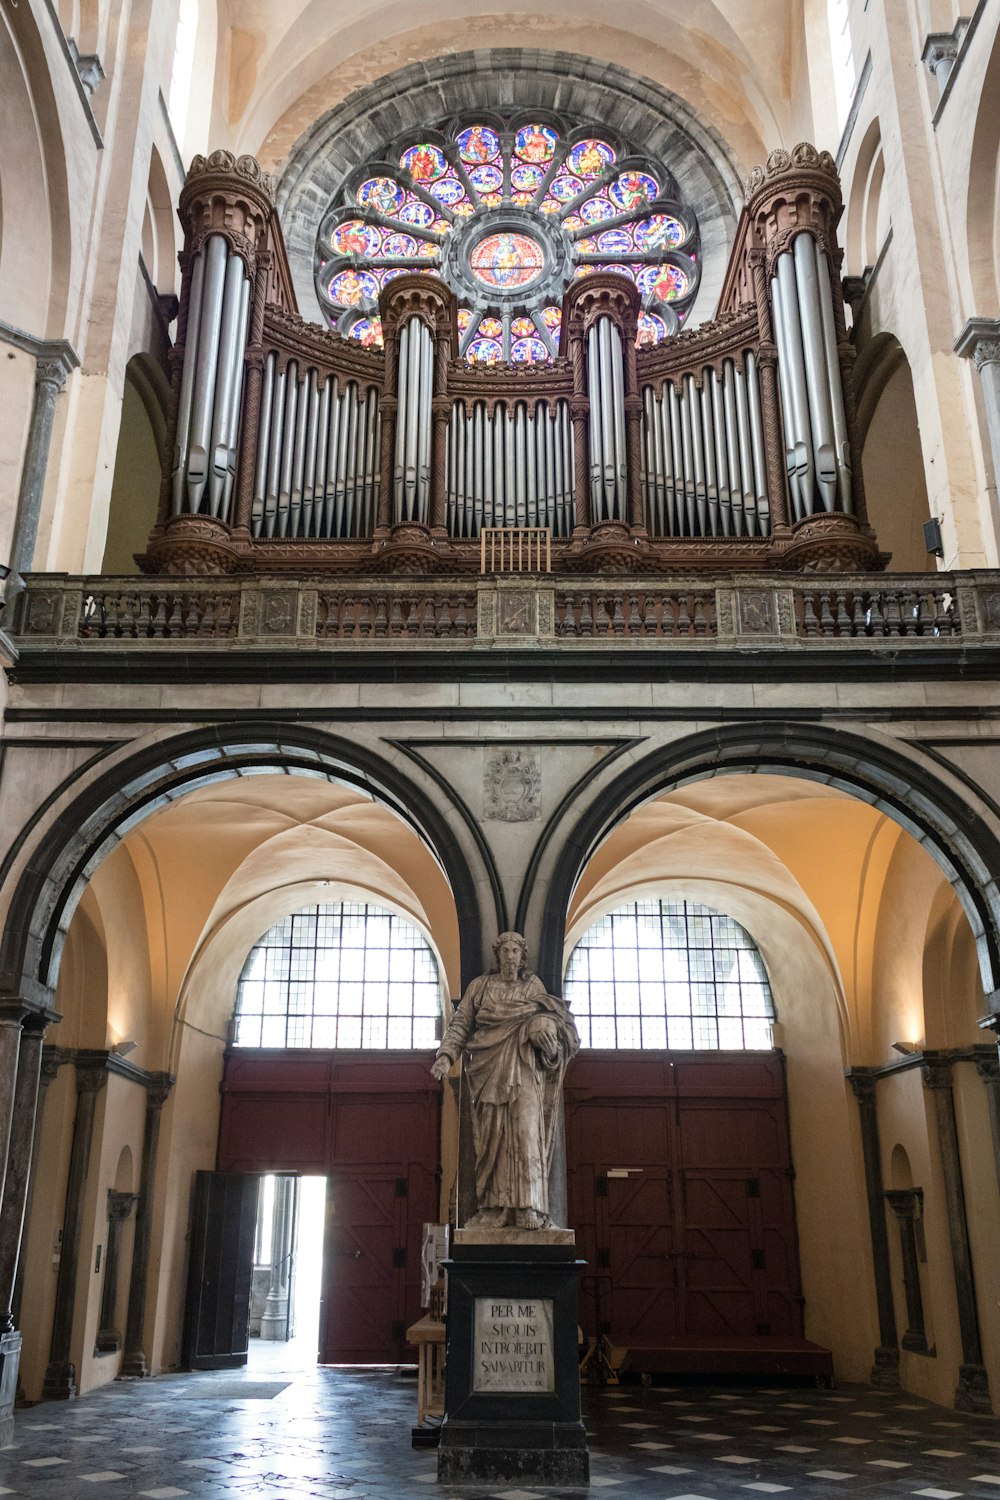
x=973 y=1391
x=134 y=1358
x=120 y=1206
x=274 y=1323
x=906 y=1204
x=885 y=1371
x=980 y=342
x=60 y=1376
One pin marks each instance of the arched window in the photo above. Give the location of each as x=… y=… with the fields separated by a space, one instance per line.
x=508 y=209
x=669 y=974
x=345 y=974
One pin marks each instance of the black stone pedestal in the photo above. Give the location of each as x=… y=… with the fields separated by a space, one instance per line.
x=10 y=1356
x=512 y=1378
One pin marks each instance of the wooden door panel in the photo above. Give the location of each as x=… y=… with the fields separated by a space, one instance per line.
x=358 y=1275
x=220 y=1271
x=641 y=1256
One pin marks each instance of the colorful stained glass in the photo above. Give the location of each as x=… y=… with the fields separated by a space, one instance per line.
x=526 y=178
x=550 y=205
x=619 y=270
x=535 y=143
x=573 y=221
x=424 y=163
x=615 y=242
x=523 y=328
x=399 y=244
x=552 y=318
x=464 y=319
x=485 y=352
x=633 y=189
x=383 y=194
x=506 y=260
x=350 y=287
x=486 y=179
x=478 y=144
x=491 y=328
x=426 y=250
x=522 y=199
x=588 y=159
x=368 y=332
x=355 y=237
x=449 y=191
x=593 y=210
x=390 y=274
x=587 y=246
x=491 y=200
x=650 y=331
x=659 y=232
x=422 y=216
x=528 y=351
x=565 y=186
x=662 y=282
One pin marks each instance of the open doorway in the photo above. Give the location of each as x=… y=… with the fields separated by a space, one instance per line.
x=287 y=1272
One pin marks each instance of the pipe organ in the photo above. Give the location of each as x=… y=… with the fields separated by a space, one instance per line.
x=703 y=462
x=511 y=467
x=731 y=444
x=318 y=446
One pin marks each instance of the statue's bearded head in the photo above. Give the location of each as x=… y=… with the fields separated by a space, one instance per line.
x=511 y=954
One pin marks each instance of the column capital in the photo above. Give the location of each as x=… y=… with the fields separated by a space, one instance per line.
x=862 y=1081
x=935 y=1071
x=120 y=1205
x=55 y=357
x=905 y=1202
x=979 y=341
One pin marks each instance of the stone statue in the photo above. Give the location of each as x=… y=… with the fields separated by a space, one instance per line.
x=517 y=1041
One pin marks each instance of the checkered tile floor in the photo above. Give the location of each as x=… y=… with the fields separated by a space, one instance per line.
x=344 y=1435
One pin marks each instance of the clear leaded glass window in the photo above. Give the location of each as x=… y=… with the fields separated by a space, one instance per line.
x=669 y=974
x=508 y=209
x=345 y=974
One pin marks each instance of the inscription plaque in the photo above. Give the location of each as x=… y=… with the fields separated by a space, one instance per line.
x=513 y=1345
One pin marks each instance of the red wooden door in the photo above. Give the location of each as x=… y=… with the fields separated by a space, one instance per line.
x=369 y=1122
x=680 y=1192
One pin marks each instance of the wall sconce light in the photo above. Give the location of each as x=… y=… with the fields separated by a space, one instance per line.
x=122 y=1049
x=908 y=1049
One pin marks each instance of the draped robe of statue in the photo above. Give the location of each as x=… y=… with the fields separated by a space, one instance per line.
x=517 y=1041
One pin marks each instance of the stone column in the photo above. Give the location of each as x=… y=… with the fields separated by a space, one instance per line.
x=60 y=1376
x=134 y=1358
x=120 y=1205
x=53 y=1059
x=940 y=52
x=972 y=1392
x=54 y=360
x=904 y=1203
x=885 y=1371
x=11 y=1017
x=19 y=1155
x=980 y=342
x=274 y=1319
x=988 y=1067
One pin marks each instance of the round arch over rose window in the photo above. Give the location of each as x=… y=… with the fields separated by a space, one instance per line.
x=669 y=974
x=343 y=974
x=508 y=209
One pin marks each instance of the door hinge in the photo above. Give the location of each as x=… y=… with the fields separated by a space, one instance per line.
x=757 y=1260
x=402 y=1187
x=399 y=1256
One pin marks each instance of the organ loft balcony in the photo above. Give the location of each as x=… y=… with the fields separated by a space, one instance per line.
x=705 y=490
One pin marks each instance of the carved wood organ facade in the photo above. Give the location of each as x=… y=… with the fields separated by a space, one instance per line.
x=729 y=445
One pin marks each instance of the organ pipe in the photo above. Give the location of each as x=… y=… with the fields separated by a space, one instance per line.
x=509 y=467
x=812 y=399
x=608 y=454
x=318 y=452
x=411 y=472
x=702 y=448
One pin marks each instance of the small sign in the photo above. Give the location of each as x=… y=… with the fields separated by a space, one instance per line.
x=513 y=1345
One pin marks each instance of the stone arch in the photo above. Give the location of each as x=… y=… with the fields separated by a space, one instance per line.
x=983 y=194
x=162 y=238
x=964 y=847
x=862 y=237
x=142 y=438
x=98 y=817
x=891 y=454
x=35 y=236
x=503 y=79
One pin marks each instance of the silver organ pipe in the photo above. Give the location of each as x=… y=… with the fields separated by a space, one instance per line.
x=318 y=447
x=187 y=384
x=704 y=468
x=412 y=472
x=784 y=385
x=229 y=361
x=798 y=428
x=842 y=447
x=211 y=381
x=814 y=358
x=608 y=452
x=509 y=467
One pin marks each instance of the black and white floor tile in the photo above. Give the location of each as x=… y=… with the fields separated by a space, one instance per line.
x=325 y=1434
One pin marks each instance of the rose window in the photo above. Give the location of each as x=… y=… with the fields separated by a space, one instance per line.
x=508 y=211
